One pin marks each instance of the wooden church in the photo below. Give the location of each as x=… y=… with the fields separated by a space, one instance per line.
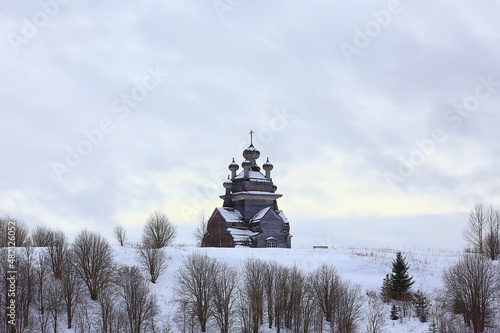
x=249 y=216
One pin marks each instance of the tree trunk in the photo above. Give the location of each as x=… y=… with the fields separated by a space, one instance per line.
x=70 y=315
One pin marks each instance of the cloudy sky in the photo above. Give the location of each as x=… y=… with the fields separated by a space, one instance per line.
x=380 y=117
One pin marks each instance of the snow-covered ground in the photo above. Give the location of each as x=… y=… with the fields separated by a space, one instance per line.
x=366 y=267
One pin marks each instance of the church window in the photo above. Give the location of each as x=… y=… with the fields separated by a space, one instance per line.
x=271 y=242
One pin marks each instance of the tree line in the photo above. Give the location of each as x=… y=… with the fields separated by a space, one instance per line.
x=264 y=292
x=80 y=283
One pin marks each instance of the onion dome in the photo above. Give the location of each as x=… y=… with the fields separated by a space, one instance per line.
x=251 y=153
x=246 y=164
x=233 y=166
x=228 y=183
x=267 y=166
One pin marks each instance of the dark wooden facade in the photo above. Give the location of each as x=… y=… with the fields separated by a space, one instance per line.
x=218 y=236
x=250 y=215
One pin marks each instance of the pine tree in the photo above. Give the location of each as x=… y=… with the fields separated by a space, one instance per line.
x=401 y=280
x=394 y=312
x=386 y=290
x=421 y=306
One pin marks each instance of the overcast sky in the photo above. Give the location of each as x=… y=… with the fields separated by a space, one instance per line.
x=381 y=117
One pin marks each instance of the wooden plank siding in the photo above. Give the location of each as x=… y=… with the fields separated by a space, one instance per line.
x=249 y=208
x=272 y=226
x=217 y=234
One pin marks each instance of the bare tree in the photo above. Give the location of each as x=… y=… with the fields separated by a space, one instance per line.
x=348 y=302
x=291 y=303
x=153 y=260
x=269 y=277
x=471 y=287
x=120 y=234
x=92 y=259
x=492 y=237
x=57 y=251
x=23 y=280
x=201 y=229
x=72 y=288
x=41 y=236
x=54 y=300
x=185 y=318
x=243 y=312
x=476 y=227
x=294 y=313
x=4 y=224
x=483 y=231
x=253 y=289
x=376 y=317
x=160 y=326
x=310 y=312
x=83 y=319
x=26 y=286
x=224 y=296
x=444 y=320
x=22 y=233
x=111 y=317
x=9 y=225
x=281 y=294
x=158 y=231
x=195 y=285
x=325 y=283
x=42 y=272
x=140 y=305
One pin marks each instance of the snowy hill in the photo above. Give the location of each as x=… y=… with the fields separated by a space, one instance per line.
x=366 y=267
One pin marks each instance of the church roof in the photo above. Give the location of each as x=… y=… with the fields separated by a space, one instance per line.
x=259 y=215
x=230 y=215
x=242 y=236
x=253 y=175
x=283 y=217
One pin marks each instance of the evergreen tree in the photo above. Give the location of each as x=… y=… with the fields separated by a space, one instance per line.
x=394 y=312
x=401 y=280
x=421 y=306
x=386 y=290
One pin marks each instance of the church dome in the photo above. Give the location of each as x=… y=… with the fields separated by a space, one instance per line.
x=246 y=163
x=267 y=166
x=251 y=153
x=228 y=183
x=233 y=166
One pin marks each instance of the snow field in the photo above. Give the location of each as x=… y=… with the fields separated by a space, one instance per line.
x=366 y=267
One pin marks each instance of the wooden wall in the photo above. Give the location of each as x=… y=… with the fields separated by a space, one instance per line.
x=272 y=226
x=217 y=234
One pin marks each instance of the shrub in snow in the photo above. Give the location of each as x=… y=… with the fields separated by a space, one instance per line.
x=394 y=312
x=421 y=305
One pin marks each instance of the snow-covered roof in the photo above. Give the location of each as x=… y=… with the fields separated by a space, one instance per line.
x=230 y=216
x=270 y=238
x=283 y=217
x=258 y=192
x=241 y=236
x=252 y=174
x=257 y=217
x=259 y=180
